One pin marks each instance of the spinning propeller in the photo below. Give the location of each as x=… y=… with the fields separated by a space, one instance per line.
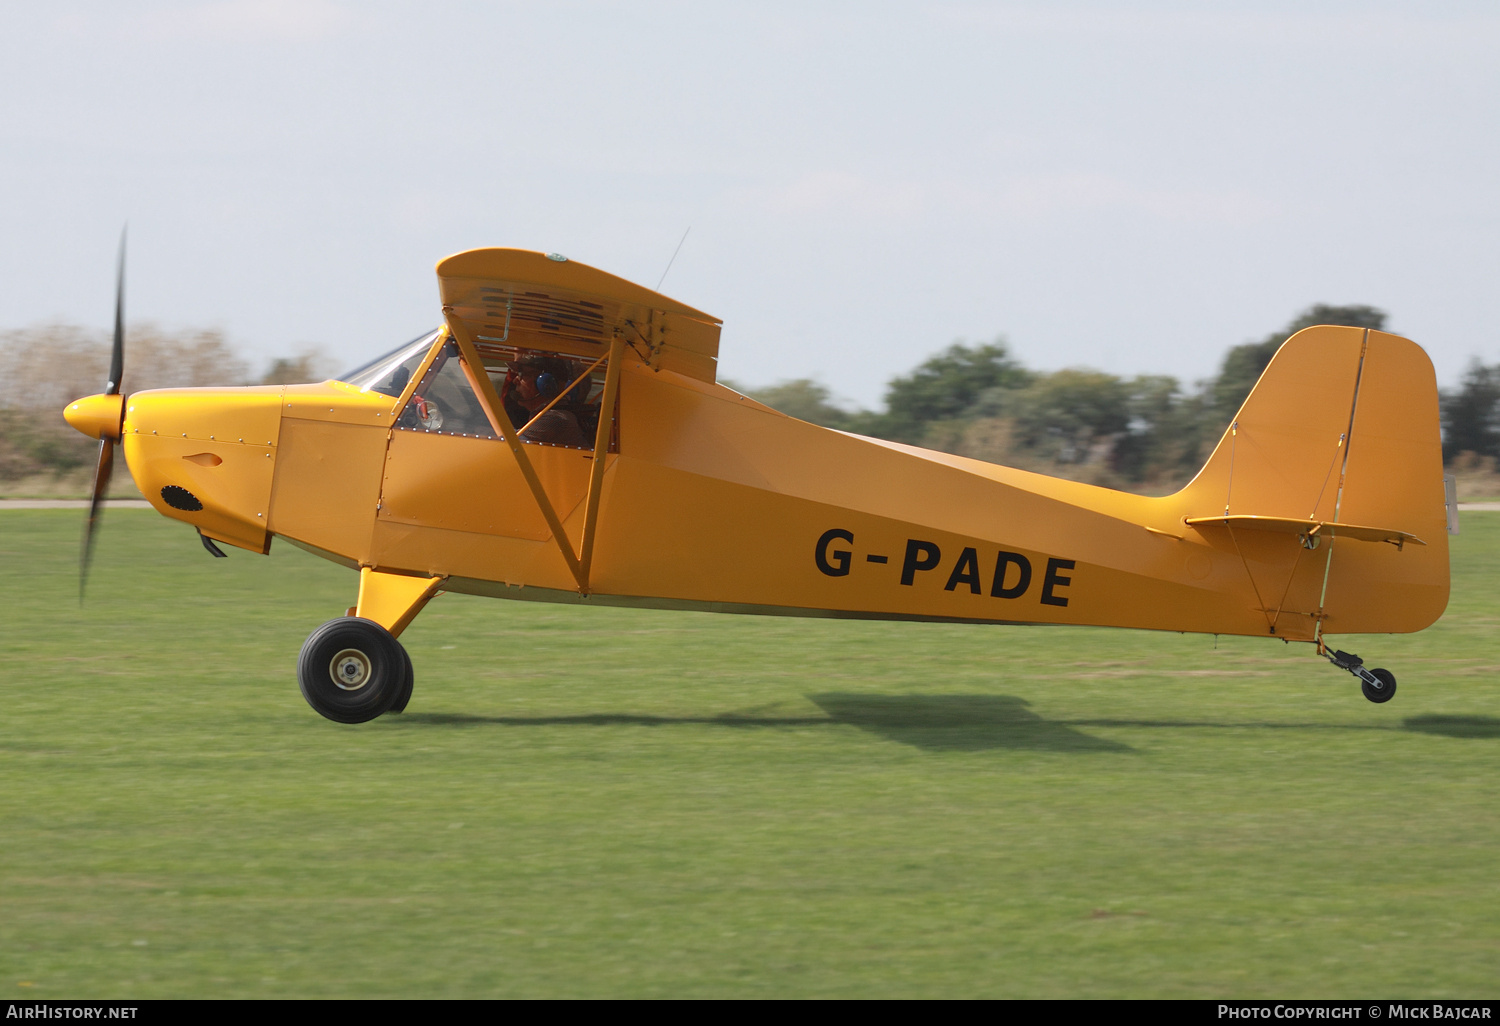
x=102 y=417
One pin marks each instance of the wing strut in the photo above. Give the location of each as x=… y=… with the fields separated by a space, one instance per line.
x=601 y=453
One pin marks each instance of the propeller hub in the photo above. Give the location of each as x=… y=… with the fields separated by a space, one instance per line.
x=98 y=416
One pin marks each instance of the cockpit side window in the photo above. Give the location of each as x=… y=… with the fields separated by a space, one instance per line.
x=444 y=403
x=551 y=399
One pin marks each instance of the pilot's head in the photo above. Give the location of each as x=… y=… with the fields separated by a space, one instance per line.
x=542 y=377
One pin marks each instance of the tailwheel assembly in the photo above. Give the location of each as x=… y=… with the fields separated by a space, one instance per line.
x=1378 y=685
x=351 y=670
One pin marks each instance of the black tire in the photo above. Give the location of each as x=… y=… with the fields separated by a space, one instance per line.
x=404 y=695
x=1381 y=694
x=351 y=670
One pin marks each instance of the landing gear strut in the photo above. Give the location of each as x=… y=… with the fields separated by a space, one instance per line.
x=352 y=670
x=1378 y=685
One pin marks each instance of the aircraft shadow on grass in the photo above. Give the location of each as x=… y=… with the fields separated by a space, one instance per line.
x=955 y=722
x=1455 y=726
x=932 y=722
x=959 y=722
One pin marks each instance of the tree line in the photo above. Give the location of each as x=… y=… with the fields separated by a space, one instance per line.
x=1146 y=433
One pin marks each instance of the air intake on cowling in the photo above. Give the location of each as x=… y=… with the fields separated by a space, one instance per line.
x=180 y=498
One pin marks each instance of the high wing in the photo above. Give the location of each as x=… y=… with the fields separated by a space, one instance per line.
x=544 y=301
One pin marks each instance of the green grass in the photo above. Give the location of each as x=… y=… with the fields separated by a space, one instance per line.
x=590 y=802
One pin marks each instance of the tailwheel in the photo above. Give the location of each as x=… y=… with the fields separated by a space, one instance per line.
x=1378 y=685
x=1382 y=689
x=351 y=670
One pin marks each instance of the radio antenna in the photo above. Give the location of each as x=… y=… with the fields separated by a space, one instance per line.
x=674 y=257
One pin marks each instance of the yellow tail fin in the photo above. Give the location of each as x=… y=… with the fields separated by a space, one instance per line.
x=1328 y=487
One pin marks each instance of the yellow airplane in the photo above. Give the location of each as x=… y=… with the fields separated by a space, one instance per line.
x=562 y=438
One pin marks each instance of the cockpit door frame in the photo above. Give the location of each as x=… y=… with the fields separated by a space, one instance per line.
x=473 y=368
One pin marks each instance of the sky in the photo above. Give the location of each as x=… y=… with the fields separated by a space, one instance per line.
x=1128 y=186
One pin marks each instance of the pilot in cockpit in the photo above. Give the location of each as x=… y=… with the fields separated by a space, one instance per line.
x=533 y=382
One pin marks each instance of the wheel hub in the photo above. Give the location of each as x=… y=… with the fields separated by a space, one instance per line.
x=350 y=669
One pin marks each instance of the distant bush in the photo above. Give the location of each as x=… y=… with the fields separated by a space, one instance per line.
x=1471 y=414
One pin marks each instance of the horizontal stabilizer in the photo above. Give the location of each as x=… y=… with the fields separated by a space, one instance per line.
x=1310 y=529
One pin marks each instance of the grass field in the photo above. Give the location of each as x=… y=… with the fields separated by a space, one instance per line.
x=591 y=802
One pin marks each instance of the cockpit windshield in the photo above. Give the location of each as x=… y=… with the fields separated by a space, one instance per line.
x=389 y=374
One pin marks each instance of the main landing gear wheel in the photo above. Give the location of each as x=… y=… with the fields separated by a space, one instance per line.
x=1384 y=691
x=352 y=670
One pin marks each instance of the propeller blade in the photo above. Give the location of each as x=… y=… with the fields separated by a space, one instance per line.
x=117 y=358
x=106 y=466
x=102 y=474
